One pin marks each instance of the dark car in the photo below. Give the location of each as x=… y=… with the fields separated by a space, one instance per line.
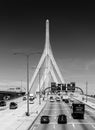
x=31 y=98
x=66 y=101
x=2 y=103
x=44 y=119
x=13 y=105
x=62 y=119
x=63 y=99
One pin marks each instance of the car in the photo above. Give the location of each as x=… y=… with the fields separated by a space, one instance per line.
x=31 y=101
x=58 y=99
x=13 y=105
x=24 y=98
x=63 y=99
x=71 y=100
x=44 y=119
x=31 y=98
x=62 y=119
x=2 y=103
x=66 y=101
x=52 y=99
x=59 y=93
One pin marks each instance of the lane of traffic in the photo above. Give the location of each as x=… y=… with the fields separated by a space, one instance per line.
x=53 y=110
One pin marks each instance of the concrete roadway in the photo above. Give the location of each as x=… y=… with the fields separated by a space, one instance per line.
x=91 y=99
x=53 y=109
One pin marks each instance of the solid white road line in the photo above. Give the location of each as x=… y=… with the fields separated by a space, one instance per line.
x=70 y=123
x=81 y=123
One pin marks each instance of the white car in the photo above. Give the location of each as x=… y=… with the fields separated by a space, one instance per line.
x=58 y=99
x=31 y=102
x=52 y=99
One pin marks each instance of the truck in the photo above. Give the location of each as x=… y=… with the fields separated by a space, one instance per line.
x=31 y=96
x=65 y=97
x=78 y=110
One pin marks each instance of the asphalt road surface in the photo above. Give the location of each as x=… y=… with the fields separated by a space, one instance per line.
x=91 y=99
x=53 y=109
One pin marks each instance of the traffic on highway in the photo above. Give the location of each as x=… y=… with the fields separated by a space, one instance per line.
x=57 y=115
x=60 y=110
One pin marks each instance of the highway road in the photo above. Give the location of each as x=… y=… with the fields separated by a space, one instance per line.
x=91 y=99
x=11 y=119
x=53 y=109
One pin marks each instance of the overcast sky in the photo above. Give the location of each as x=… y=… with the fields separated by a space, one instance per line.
x=72 y=38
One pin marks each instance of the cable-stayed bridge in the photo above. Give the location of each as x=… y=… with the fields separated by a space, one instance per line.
x=47 y=71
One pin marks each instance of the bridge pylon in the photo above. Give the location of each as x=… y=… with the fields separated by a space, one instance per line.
x=48 y=65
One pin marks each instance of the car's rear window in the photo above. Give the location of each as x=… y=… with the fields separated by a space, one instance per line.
x=12 y=103
x=44 y=116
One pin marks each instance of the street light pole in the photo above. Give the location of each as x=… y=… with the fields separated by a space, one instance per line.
x=39 y=89
x=27 y=56
x=21 y=85
x=27 y=113
x=86 y=90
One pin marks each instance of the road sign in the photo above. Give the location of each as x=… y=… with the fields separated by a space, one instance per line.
x=64 y=87
x=68 y=87
x=72 y=84
x=59 y=87
x=53 y=87
x=71 y=87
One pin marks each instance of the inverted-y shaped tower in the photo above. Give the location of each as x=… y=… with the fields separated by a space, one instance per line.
x=50 y=65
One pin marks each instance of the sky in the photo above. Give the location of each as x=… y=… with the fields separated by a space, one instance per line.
x=72 y=38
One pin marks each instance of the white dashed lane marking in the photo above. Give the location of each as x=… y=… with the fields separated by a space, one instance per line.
x=73 y=125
